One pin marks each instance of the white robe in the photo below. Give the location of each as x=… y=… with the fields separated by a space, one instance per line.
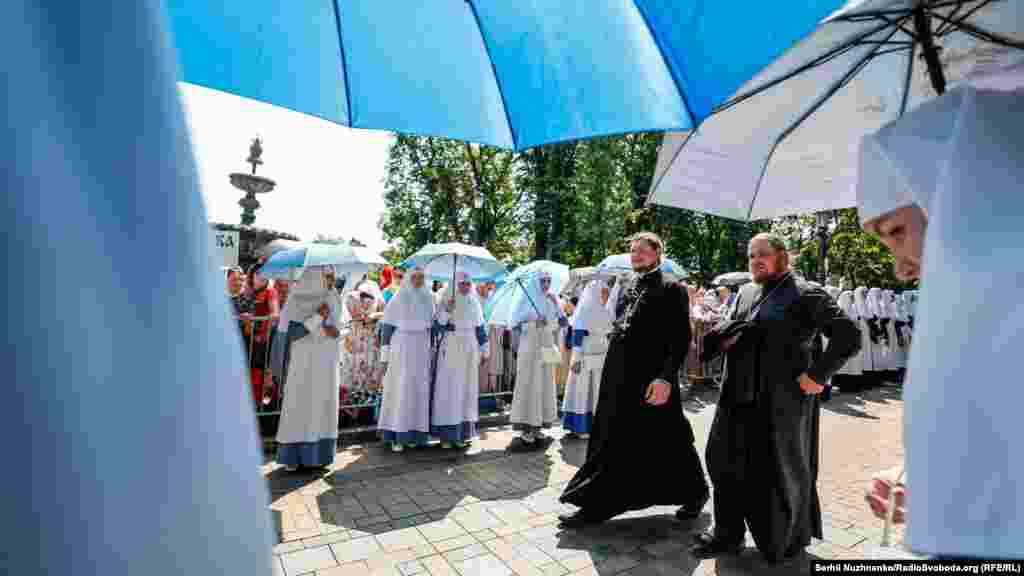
x=134 y=419
x=581 y=390
x=456 y=408
x=405 y=406
x=962 y=396
x=898 y=354
x=867 y=350
x=881 y=353
x=309 y=414
x=855 y=365
x=534 y=400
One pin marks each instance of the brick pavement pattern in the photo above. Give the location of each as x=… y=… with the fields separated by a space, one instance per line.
x=488 y=512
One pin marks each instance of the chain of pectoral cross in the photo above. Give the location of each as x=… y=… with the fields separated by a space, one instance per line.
x=634 y=296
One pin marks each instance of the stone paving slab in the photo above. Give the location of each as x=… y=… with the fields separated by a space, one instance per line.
x=486 y=511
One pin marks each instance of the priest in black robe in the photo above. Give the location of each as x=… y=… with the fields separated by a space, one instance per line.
x=641 y=449
x=762 y=452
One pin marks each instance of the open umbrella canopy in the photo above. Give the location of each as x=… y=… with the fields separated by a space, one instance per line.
x=620 y=263
x=344 y=258
x=787 y=142
x=732 y=279
x=515 y=292
x=509 y=74
x=442 y=261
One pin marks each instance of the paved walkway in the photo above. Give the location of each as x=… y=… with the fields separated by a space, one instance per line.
x=488 y=512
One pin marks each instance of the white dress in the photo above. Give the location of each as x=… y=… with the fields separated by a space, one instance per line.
x=534 y=400
x=405 y=406
x=308 y=432
x=581 y=390
x=456 y=408
x=855 y=365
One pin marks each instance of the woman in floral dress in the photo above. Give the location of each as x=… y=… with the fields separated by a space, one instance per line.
x=360 y=383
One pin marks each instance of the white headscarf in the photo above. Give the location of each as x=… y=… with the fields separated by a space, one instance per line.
x=468 y=312
x=846 y=303
x=892 y=305
x=860 y=300
x=410 y=309
x=962 y=395
x=534 y=301
x=910 y=301
x=613 y=297
x=591 y=315
x=875 y=303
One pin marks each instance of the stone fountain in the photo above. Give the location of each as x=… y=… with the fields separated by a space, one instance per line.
x=252 y=184
x=252 y=240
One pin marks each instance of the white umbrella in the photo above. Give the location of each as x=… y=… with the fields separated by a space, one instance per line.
x=787 y=142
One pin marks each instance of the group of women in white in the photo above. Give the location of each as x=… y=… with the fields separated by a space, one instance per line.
x=886 y=321
x=427 y=398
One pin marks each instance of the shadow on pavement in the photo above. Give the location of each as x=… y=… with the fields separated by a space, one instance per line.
x=432 y=486
x=854 y=403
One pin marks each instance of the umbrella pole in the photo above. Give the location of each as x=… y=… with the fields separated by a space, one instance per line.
x=923 y=29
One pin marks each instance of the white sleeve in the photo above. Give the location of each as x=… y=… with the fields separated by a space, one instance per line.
x=313 y=324
x=385 y=351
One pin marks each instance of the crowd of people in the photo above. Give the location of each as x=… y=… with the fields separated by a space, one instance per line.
x=555 y=347
x=422 y=355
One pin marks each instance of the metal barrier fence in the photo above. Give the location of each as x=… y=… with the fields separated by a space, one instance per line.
x=361 y=379
x=360 y=375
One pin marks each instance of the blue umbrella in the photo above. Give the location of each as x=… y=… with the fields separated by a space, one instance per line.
x=514 y=292
x=442 y=261
x=503 y=73
x=619 y=263
x=343 y=257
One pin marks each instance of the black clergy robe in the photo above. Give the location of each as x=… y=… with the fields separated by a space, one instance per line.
x=640 y=455
x=762 y=452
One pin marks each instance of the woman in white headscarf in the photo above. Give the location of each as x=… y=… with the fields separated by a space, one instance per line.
x=897 y=343
x=590 y=327
x=883 y=351
x=869 y=335
x=405 y=354
x=849 y=375
x=308 y=432
x=535 y=323
x=947 y=202
x=463 y=349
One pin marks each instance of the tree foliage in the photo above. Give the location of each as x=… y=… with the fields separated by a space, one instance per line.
x=578 y=202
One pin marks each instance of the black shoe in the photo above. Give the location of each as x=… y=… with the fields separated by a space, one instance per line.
x=692 y=511
x=707 y=546
x=575 y=520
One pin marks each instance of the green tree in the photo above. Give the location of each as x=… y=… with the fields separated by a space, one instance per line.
x=438 y=190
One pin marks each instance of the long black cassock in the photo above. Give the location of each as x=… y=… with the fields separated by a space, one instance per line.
x=762 y=451
x=634 y=446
